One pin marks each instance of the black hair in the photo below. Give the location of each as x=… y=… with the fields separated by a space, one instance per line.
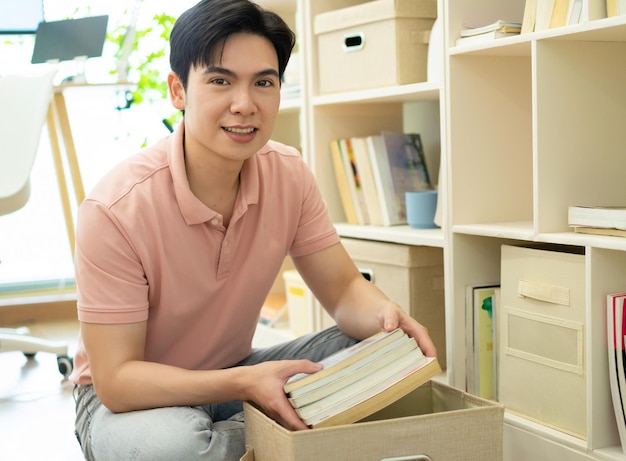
x=208 y=24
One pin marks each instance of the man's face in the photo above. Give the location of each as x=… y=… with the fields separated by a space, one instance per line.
x=231 y=105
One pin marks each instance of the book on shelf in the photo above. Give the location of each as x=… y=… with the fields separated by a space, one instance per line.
x=559 y=13
x=530 y=15
x=500 y=25
x=381 y=170
x=481 y=303
x=495 y=30
x=484 y=38
x=354 y=180
x=548 y=14
x=615 y=7
x=600 y=231
x=399 y=166
x=341 y=178
x=543 y=15
x=360 y=380
x=574 y=11
x=616 y=331
x=368 y=184
x=611 y=217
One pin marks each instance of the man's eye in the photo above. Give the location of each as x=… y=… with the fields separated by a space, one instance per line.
x=219 y=81
x=265 y=83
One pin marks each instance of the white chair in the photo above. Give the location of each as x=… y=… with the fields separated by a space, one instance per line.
x=24 y=105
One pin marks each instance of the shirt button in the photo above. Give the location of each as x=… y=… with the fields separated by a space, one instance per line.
x=215 y=221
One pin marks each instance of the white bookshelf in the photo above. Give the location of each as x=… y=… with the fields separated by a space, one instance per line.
x=538 y=118
x=521 y=129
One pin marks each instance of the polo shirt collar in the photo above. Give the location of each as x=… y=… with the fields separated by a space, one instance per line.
x=191 y=208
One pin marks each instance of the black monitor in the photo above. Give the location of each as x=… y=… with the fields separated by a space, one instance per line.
x=70 y=39
x=20 y=16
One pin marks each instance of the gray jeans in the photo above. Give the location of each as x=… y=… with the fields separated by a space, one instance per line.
x=211 y=432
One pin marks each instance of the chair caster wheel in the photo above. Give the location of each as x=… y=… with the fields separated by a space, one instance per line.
x=65 y=364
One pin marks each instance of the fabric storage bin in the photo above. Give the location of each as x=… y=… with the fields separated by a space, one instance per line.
x=410 y=275
x=374 y=44
x=435 y=420
x=542 y=343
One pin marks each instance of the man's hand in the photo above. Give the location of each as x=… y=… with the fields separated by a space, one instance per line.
x=266 y=389
x=393 y=317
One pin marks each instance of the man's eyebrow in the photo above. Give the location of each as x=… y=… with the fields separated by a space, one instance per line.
x=218 y=70
x=225 y=71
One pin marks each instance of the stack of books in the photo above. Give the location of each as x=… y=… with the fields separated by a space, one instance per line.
x=360 y=380
x=498 y=29
x=599 y=220
x=373 y=173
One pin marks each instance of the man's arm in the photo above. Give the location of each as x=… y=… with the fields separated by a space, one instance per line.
x=125 y=382
x=357 y=305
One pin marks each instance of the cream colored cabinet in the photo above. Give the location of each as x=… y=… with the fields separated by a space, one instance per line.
x=535 y=124
x=520 y=129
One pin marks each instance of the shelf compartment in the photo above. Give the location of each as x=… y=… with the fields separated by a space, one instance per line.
x=335 y=121
x=605 y=276
x=580 y=99
x=491 y=161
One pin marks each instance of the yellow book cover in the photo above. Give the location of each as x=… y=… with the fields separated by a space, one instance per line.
x=342 y=183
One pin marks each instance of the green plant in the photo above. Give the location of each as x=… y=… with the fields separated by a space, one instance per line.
x=145 y=60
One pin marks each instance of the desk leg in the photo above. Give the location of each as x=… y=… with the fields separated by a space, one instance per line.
x=70 y=150
x=62 y=183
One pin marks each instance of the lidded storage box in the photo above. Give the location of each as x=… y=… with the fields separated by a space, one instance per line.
x=410 y=275
x=374 y=44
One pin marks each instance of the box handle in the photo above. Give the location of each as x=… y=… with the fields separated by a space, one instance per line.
x=409 y=458
x=353 y=42
x=552 y=294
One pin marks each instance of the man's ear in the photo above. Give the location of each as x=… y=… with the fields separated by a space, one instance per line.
x=176 y=90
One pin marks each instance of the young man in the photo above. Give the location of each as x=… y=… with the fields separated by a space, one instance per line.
x=178 y=247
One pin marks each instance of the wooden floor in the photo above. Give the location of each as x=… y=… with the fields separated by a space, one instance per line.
x=36 y=403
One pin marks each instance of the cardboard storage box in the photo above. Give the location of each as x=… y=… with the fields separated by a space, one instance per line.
x=436 y=420
x=542 y=343
x=412 y=276
x=374 y=44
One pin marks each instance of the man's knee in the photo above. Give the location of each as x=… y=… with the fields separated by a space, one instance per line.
x=166 y=434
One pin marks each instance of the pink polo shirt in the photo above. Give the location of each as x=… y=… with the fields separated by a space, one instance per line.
x=148 y=249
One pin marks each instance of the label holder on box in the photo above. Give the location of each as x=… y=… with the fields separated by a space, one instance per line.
x=353 y=42
x=571 y=362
